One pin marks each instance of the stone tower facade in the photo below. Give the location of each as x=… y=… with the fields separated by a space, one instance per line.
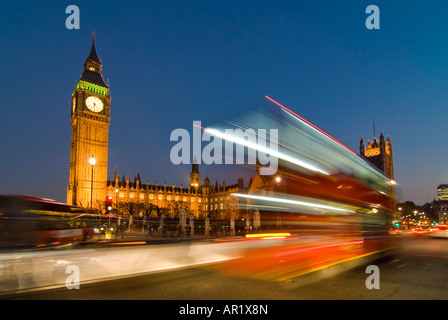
x=90 y=118
x=379 y=153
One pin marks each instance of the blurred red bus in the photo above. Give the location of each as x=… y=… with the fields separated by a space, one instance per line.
x=38 y=221
x=335 y=204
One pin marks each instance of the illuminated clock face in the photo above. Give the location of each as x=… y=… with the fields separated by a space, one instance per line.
x=94 y=104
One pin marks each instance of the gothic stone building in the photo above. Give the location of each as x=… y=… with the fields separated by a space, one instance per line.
x=200 y=200
x=88 y=185
x=90 y=118
x=379 y=153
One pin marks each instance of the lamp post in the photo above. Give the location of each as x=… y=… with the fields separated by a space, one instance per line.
x=116 y=201
x=92 y=162
x=279 y=219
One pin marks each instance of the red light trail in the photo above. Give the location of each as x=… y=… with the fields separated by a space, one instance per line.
x=309 y=123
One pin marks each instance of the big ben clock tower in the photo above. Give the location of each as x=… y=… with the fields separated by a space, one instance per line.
x=90 y=117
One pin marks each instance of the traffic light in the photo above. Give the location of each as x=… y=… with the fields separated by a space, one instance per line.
x=109 y=202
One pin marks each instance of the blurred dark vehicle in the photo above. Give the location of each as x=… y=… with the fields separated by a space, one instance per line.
x=28 y=220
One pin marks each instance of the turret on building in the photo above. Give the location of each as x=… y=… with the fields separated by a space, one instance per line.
x=379 y=153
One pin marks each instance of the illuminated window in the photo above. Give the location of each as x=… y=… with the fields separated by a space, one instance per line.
x=131 y=195
x=151 y=197
x=91 y=68
x=160 y=197
x=142 y=196
x=168 y=198
x=121 y=195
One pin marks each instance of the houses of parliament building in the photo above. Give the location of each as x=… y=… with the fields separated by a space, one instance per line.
x=89 y=186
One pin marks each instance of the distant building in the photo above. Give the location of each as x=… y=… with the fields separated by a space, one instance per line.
x=441 y=209
x=442 y=192
x=379 y=153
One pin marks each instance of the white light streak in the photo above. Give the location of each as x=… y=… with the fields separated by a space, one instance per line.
x=290 y=201
x=266 y=150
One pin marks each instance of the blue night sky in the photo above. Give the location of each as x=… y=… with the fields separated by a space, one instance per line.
x=172 y=62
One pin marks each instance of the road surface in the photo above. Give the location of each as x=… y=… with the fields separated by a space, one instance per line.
x=417 y=271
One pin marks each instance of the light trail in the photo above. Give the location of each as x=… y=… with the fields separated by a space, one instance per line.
x=310 y=124
x=338 y=244
x=264 y=149
x=290 y=201
x=266 y=236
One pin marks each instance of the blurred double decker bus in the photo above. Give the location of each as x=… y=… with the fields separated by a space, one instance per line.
x=333 y=205
x=33 y=221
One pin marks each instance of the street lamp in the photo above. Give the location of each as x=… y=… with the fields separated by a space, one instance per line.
x=92 y=162
x=278 y=191
x=116 y=201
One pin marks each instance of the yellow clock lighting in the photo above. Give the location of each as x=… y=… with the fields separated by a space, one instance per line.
x=94 y=104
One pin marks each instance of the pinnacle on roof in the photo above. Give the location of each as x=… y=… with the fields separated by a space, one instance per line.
x=92 y=68
x=93 y=55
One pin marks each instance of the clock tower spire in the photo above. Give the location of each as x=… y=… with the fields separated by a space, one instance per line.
x=90 y=117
